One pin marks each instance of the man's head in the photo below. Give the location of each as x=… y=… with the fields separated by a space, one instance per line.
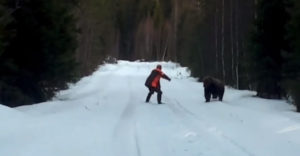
x=158 y=66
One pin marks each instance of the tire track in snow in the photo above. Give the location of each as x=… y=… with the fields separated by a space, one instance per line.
x=125 y=132
x=96 y=104
x=232 y=141
x=185 y=114
x=137 y=142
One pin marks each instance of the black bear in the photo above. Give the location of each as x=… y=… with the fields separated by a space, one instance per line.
x=213 y=86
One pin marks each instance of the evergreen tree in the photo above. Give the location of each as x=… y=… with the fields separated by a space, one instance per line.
x=292 y=65
x=7 y=66
x=191 y=40
x=58 y=35
x=4 y=20
x=268 y=44
x=39 y=58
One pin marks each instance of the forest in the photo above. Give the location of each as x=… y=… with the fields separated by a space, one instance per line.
x=249 y=44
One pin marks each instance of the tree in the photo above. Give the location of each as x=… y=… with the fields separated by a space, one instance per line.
x=267 y=45
x=39 y=58
x=292 y=64
x=5 y=19
x=99 y=35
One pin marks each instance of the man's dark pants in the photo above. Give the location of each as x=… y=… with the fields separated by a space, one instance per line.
x=151 y=91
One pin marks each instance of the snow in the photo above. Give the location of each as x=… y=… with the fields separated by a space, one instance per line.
x=105 y=114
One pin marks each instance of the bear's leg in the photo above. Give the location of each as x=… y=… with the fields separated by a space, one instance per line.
x=207 y=94
x=221 y=93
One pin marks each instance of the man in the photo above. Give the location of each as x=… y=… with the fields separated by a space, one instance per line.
x=153 y=83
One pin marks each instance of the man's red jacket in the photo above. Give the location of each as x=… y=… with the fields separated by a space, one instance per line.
x=154 y=77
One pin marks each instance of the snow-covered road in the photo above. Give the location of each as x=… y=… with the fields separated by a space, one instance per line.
x=105 y=114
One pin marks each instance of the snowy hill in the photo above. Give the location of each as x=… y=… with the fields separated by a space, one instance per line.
x=105 y=115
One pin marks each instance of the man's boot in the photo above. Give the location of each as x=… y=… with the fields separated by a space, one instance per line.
x=159 y=97
x=148 y=97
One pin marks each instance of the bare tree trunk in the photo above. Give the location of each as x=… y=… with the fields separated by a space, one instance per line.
x=216 y=39
x=89 y=45
x=165 y=50
x=223 y=39
x=232 y=43
x=147 y=40
x=237 y=45
x=175 y=28
x=255 y=12
x=159 y=43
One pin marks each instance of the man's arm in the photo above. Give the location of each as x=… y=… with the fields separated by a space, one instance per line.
x=165 y=77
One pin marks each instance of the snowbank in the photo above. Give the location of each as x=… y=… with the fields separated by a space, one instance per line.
x=173 y=70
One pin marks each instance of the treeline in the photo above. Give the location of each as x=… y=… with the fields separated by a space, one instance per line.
x=249 y=44
x=209 y=36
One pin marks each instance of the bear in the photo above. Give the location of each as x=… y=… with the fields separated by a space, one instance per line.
x=213 y=87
